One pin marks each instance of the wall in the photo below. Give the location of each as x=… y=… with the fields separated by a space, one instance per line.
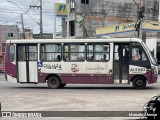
x=100 y=13
x=4 y=30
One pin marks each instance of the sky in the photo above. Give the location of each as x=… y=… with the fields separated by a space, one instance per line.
x=10 y=14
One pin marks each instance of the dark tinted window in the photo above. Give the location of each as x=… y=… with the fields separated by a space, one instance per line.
x=85 y=1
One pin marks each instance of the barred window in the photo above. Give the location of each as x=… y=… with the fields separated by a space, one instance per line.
x=98 y=52
x=74 y=52
x=51 y=52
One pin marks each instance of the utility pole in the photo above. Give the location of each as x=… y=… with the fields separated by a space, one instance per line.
x=141 y=10
x=142 y=33
x=159 y=12
x=54 y=21
x=23 y=26
x=68 y=13
x=41 y=23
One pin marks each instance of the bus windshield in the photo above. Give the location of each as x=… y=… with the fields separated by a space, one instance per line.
x=149 y=52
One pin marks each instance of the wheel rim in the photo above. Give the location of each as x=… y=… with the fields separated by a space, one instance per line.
x=139 y=82
x=53 y=82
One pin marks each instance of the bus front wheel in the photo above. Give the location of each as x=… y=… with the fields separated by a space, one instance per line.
x=53 y=82
x=139 y=82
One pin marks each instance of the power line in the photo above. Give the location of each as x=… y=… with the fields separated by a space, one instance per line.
x=30 y=14
x=24 y=11
x=18 y=7
x=35 y=4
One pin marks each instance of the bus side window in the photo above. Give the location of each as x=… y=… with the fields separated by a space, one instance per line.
x=50 y=52
x=98 y=52
x=104 y=57
x=58 y=57
x=42 y=50
x=144 y=58
x=42 y=57
x=116 y=53
x=74 y=52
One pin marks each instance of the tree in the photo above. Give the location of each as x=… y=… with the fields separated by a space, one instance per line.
x=84 y=11
x=82 y=26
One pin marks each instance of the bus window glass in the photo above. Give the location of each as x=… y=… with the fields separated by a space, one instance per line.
x=74 y=52
x=11 y=53
x=138 y=55
x=32 y=53
x=90 y=52
x=144 y=58
x=101 y=48
x=51 y=52
x=150 y=55
x=135 y=44
x=21 y=53
x=90 y=48
x=102 y=56
x=98 y=52
x=116 y=54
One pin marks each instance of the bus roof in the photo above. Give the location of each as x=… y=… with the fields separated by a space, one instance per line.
x=73 y=40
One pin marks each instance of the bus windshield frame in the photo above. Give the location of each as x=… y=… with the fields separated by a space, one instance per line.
x=149 y=53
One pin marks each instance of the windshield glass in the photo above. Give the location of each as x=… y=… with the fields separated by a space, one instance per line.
x=149 y=53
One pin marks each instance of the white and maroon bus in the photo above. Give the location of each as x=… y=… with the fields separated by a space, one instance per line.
x=80 y=61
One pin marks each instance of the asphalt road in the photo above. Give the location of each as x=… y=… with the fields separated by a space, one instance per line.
x=24 y=97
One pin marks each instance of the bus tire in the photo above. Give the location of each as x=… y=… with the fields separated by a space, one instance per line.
x=53 y=82
x=139 y=82
x=62 y=85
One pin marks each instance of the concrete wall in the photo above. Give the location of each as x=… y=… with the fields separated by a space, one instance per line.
x=100 y=13
x=5 y=29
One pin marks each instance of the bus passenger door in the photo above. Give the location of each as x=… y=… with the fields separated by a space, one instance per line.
x=27 y=63
x=121 y=63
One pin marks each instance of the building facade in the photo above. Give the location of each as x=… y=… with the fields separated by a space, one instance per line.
x=87 y=15
x=7 y=32
x=28 y=34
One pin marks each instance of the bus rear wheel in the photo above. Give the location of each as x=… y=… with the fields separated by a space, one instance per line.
x=53 y=82
x=139 y=82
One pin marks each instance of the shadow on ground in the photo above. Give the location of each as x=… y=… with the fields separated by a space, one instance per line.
x=84 y=87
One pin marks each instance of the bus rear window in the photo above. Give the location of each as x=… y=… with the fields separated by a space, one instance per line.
x=11 y=53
